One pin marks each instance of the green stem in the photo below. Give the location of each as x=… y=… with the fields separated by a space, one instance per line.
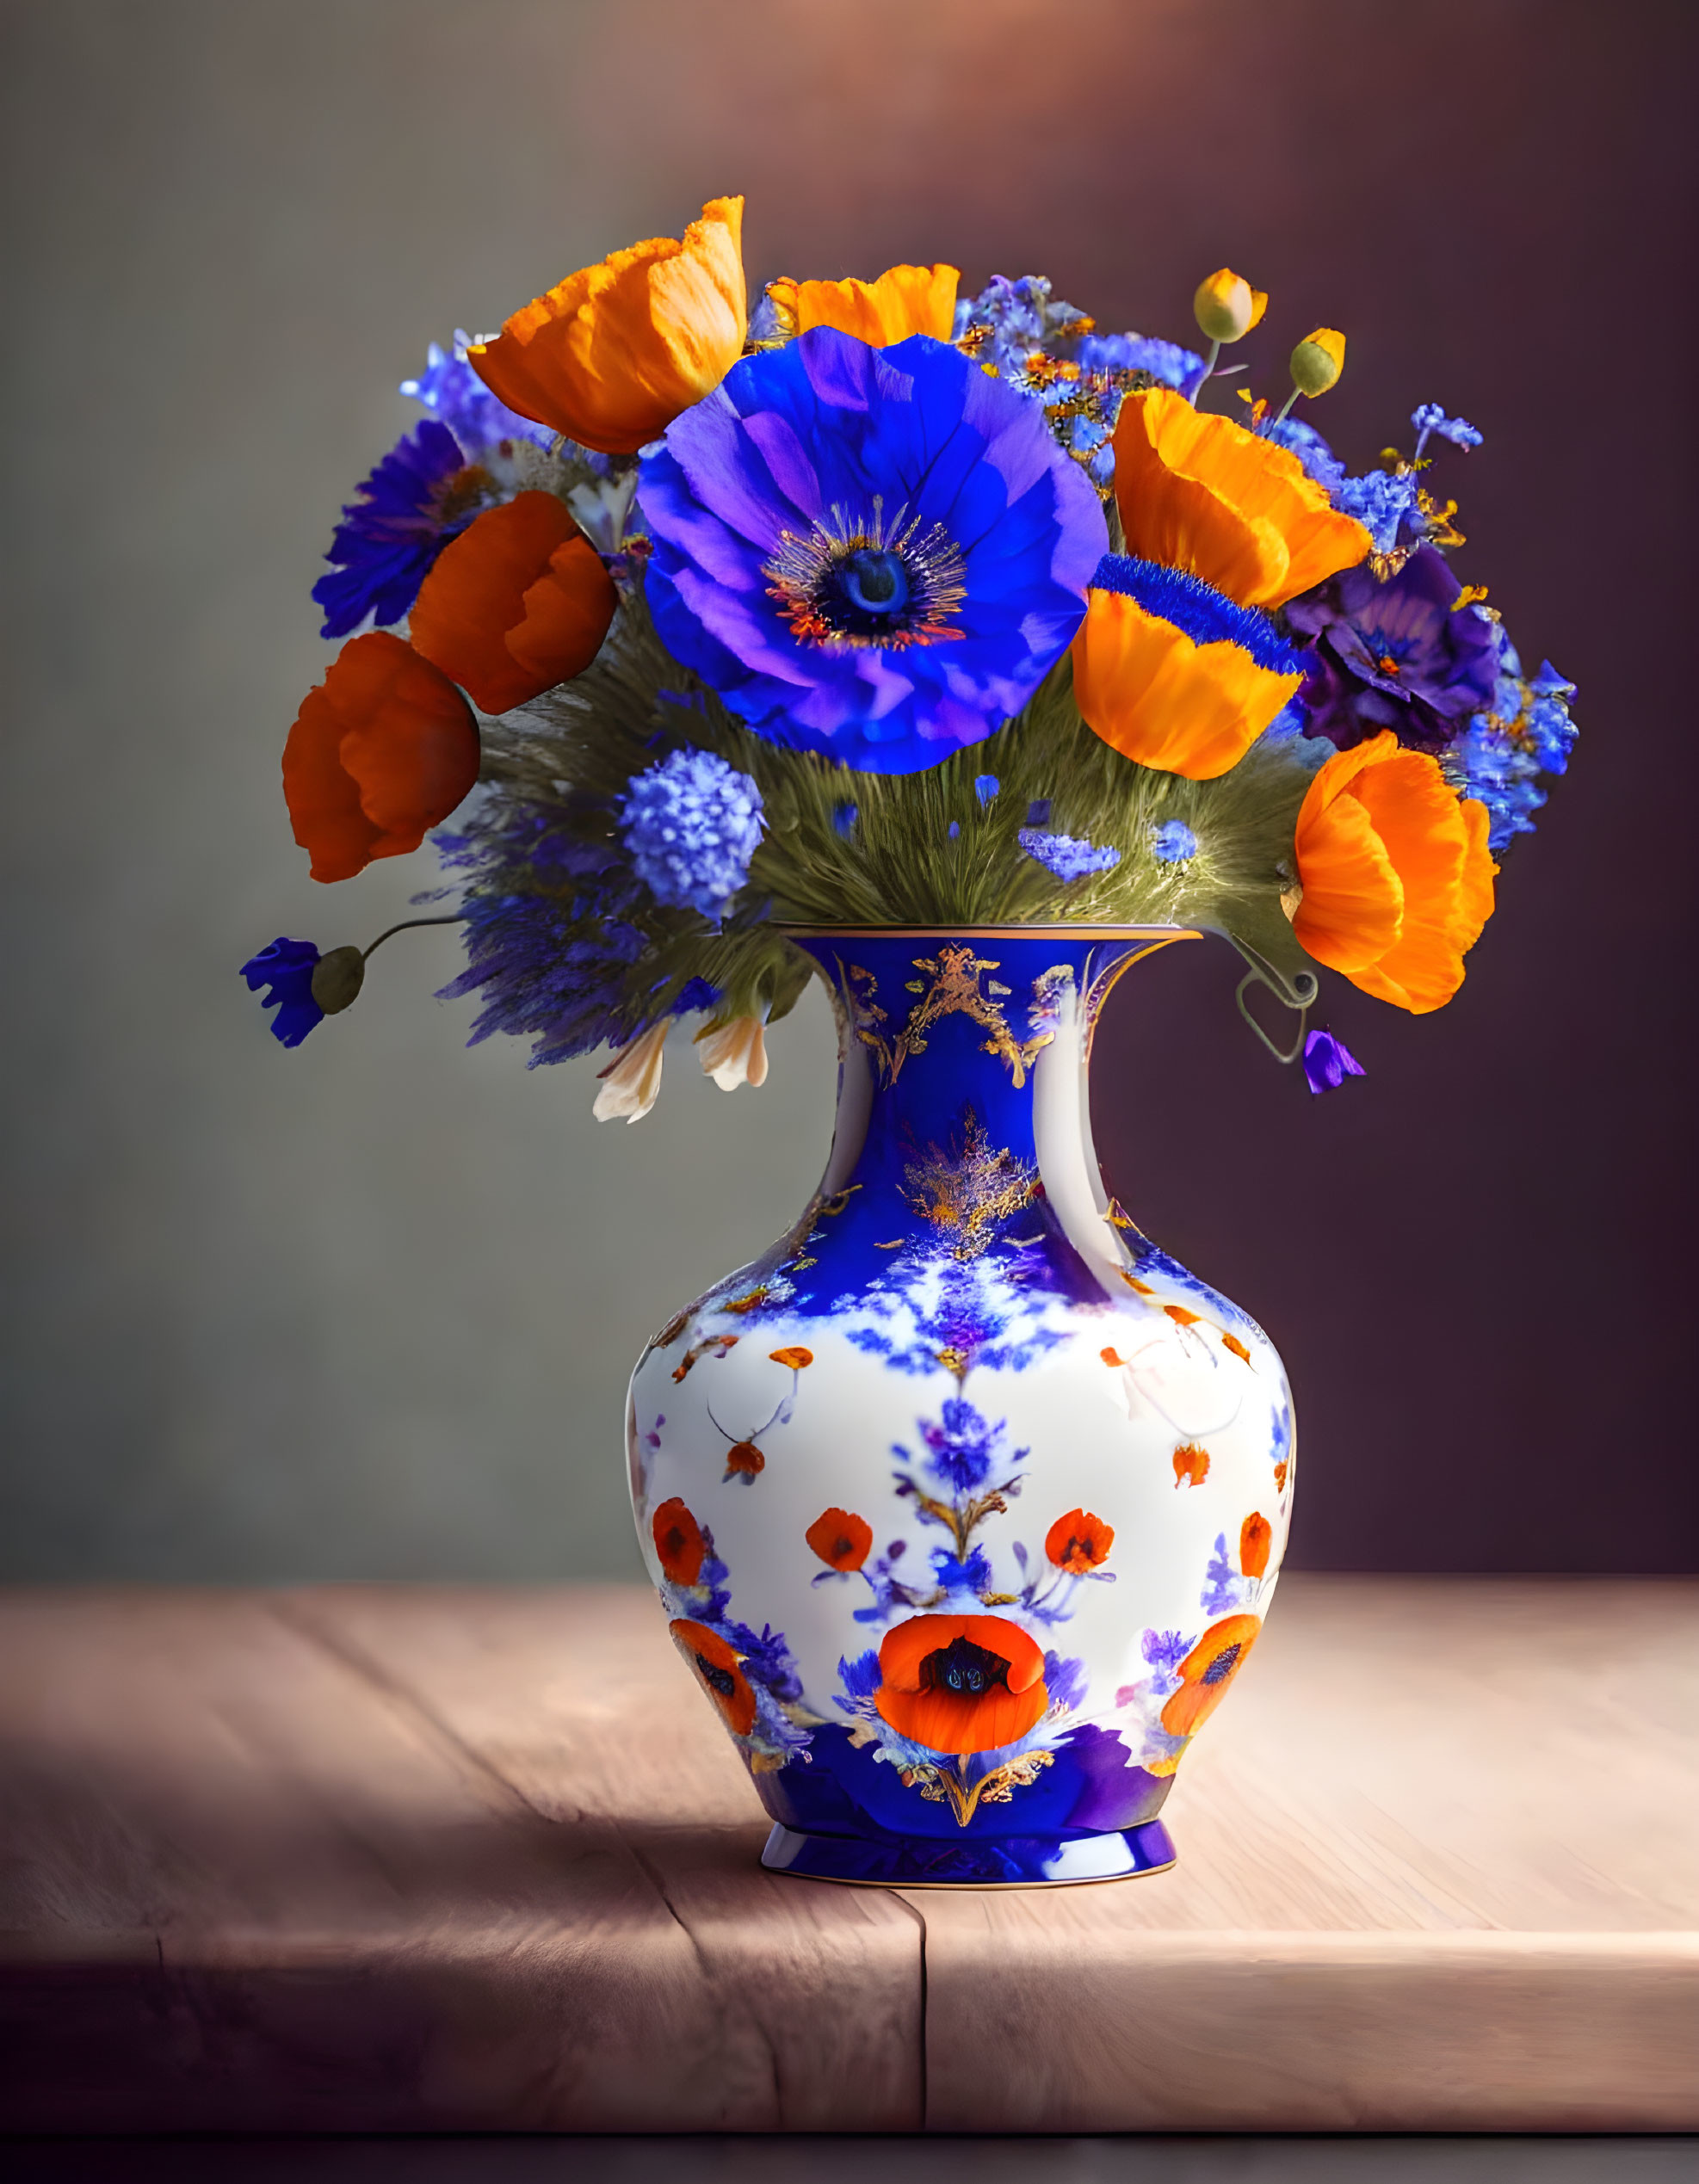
x=406 y=926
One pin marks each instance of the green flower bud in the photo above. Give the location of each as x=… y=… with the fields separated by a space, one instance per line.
x=337 y=978
x=1318 y=361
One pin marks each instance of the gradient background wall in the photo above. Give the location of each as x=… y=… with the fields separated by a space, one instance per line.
x=367 y=1308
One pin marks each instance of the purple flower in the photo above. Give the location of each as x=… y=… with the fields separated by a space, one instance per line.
x=875 y=554
x=286 y=969
x=422 y=494
x=1065 y=856
x=1173 y=842
x=1328 y=1061
x=1399 y=655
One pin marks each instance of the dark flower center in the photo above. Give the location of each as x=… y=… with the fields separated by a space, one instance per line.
x=875 y=582
x=721 y=1678
x=964 y=1667
x=1222 y=1666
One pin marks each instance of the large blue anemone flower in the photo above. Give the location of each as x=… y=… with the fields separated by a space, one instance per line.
x=874 y=554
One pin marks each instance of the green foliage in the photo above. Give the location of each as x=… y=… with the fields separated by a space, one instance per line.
x=571 y=756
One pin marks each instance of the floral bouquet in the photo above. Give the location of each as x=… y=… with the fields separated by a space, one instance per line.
x=880 y=606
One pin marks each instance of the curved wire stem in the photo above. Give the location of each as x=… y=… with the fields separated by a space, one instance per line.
x=1297 y=995
x=407 y=925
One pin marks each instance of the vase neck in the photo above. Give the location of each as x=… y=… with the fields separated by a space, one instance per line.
x=962 y=1099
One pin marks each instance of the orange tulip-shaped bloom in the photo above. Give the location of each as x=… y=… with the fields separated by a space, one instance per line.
x=382 y=750
x=1254 y=1537
x=1207 y=1670
x=518 y=602
x=612 y=354
x=716 y=1666
x=841 y=1541
x=961 y=1683
x=1157 y=694
x=1201 y=493
x=679 y=1542
x=1396 y=875
x=908 y=299
x=1079 y=1541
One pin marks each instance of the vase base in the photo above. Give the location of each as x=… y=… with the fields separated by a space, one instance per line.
x=1016 y=1861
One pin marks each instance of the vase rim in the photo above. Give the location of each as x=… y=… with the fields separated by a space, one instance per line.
x=1081 y=932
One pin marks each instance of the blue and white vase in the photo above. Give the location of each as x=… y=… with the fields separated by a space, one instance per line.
x=965 y=1501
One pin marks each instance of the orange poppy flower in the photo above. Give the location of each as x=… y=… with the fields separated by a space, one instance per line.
x=1280 y=1470
x=1254 y=1536
x=1079 y=1541
x=678 y=1542
x=1207 y=1670
x=744 y=1461
x=1156 y=695
x=961 y=1683
x=796 y=1357
x=518 y=602
x=612 y=354
x=1199 y=492
x=382 y=750
x=1396 y=875
x=908 y=299
x=841 y=1540
x=1232 y=1342
x=1191 y=1466
x=716 y=1670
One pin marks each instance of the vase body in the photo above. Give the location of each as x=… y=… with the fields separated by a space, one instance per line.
x=965 y=1501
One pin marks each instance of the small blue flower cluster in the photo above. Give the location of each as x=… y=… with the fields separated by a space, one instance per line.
x=1311 y=450
x=1501 y=753
x=1020 y=319
x=1428 y=417
x=1065 y=856
x=691 y=824
x=456 y=397
x=1173 y=842
x=962 y=1446
x=1383 y=502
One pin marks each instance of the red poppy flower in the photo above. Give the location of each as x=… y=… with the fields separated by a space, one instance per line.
x=1079 y=1541
x=1254 y=1535
x=743 y=1459
x=961 y=1683
x=1207 y=1670
x=678 y=1542
x=381 y=750
x=518 y=602
x=841 y=1540
x=715 y=1667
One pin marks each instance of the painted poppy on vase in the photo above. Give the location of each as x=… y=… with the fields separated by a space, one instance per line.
x=1254 y=1537
x=961 y=1683
x=382 y=750
x=518 y=602
x=614 y=352
x=680 y=1542
x=745 y=1460
x=1207 y=1670
x=717 y=1669
x=1079 y=1541
x=841 y=1541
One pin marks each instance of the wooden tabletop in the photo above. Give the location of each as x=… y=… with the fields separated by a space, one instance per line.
x=395 y=1859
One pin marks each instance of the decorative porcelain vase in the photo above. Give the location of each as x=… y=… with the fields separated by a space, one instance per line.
x=965 y=1501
